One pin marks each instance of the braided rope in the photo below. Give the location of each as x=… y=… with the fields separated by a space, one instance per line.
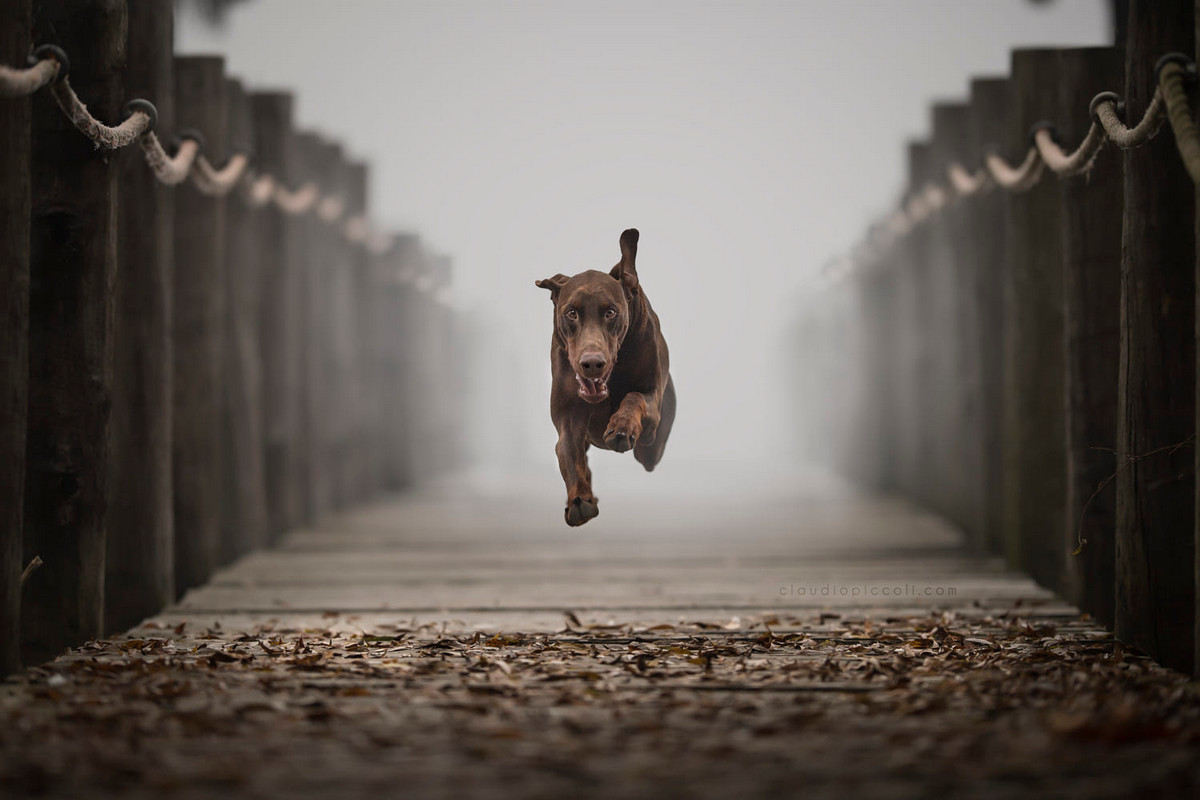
x=1170 y=102
x=966 y=184
x=256 y=190
x=1079 y=162
x=218 y=183
x=1180 y=114
x=23 y=82
x=1020 y=178
x=1128 y=138
x=331 y=208
x=298 y=202
x=169 y=171
x=113 y=138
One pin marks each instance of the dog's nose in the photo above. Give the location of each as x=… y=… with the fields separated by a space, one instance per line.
x=592 y=364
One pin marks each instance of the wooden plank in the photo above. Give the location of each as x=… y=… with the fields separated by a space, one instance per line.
x=272 y=123
x=73 y=266
x=140 y=573
x=1155 y=600
x=16 y=21
x=984 y=268
x=1034 y=361
x=199 y=299
x=1091 y=252
x=243 y=492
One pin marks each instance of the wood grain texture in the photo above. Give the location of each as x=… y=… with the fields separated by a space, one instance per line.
x=140 y=551
x=73 y=268
x=1155 y=594
x=199 y=302
x=16 y=20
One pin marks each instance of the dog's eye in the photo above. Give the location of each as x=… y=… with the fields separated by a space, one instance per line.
x=571 y=314
x=610 y=314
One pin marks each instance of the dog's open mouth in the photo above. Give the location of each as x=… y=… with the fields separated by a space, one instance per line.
x=592 y=390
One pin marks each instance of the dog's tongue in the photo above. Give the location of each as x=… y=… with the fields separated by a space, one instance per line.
x=591 y=387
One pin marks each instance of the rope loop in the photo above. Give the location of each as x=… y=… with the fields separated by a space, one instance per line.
x=190 y=134
x=51 y=52
x=147 y=108
x=1186 y=64
x=1106 y=97
x=1172 y=76
x=40 y=72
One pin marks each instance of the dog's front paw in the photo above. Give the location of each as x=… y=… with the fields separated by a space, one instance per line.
x=580 y=509
x=622 y=434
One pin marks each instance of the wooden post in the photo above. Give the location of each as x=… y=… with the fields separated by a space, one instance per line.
x=912 y=281
x=874 y=447
x=16 y=20
x=951 y=391
x=339 y=367
x=199 y=293
x=1196 y=466
x=364 y=446
x=1091 y=253
x=73 y=263
x=313 y=165
x=244 y=504
x=140 y=577
x=272 y=124
x=385 y=340
x=1035 y=428
x=1156 y=418
x=985 y=266
x=401 y=329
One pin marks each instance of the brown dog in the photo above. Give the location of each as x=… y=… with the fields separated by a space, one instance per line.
x=612 y=384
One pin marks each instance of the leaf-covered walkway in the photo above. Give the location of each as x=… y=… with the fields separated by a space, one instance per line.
x=793 y=640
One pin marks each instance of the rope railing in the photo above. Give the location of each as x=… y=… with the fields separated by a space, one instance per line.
x=1170 y=103
x=48 y=68
x=40 y=72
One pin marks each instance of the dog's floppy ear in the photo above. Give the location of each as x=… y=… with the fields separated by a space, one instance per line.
x=554 y=284
x=626 y=271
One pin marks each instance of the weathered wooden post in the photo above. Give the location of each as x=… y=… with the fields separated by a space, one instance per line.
x=199 y=295
x=16 y=21
x=244 y=504
x=401 y=327
x=984 y=269
x=140 y=574
x=313 y=164
x=955 y=454
x=912 y=335
x=875 y=449
x=1196 y=465
x=73 y=266
x=338 y=346
x=1091 y=253
x=272 y=124
x=1035 y=424
x=1156 y=418
x=363 y=448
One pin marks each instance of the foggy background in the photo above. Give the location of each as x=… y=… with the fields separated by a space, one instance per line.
x=748 y=142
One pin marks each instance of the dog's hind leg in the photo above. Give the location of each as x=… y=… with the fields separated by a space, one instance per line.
x=650 y=454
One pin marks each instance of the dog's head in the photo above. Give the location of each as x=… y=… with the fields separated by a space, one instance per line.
x=592 y=315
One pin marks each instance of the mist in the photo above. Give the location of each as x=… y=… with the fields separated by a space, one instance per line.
x=749 y=144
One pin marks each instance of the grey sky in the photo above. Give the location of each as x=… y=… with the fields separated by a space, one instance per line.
x=749 y=142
